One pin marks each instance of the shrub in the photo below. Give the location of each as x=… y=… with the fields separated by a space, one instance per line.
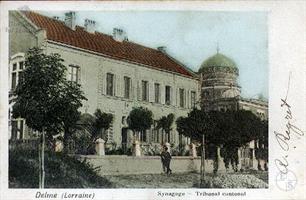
x=118 y=151
x=83 y=144
x=62 y=171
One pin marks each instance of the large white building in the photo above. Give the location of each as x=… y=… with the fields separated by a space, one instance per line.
x=115 y=74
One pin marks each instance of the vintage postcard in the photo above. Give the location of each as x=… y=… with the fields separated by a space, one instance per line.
x=153 y=100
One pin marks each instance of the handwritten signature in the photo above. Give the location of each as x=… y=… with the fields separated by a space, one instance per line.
x=283 y=138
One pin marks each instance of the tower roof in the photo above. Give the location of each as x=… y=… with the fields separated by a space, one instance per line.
x=218 y=60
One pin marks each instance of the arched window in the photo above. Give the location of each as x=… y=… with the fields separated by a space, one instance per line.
x=16 y=67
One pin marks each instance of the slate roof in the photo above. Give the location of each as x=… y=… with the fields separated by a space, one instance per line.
x=105 y=44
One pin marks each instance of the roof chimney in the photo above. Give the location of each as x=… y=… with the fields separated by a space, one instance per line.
x=56 y=17
x=162 y=49
x=90 y=25
x=70 y=20
x=119 y=35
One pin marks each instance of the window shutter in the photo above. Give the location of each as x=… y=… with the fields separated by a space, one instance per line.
x=138 y=91
x=171 y=96
x=177 y=96
x=102 y=83
x=132 y=89
x=186 y=99
x=151 y=92
x=118 y=85
x=79 y=75
x=114 y=85
x=162 y=94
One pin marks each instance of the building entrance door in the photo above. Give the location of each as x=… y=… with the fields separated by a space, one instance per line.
x=124 y=139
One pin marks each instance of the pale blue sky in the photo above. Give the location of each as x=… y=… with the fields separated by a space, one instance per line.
x=192 y=36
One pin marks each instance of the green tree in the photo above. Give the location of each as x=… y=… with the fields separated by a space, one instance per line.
x=83 y=137
x=91 y=128
x=261 y=148
x=231 y=130
x=140 y=119
x=71 y=113
x=45 y=99
x=239 y=128
x=102 y=122
x=197 y=125
x=165 y=123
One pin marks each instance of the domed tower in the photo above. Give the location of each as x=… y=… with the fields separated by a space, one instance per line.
x=219 y=83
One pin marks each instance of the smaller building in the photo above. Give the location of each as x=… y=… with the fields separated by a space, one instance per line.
x=220 y=91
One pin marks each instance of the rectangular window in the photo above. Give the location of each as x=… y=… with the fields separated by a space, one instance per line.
x=157 y=92
x=182 y=97
x=14 y=80
x=21 y=130
x=143 y=136
x=19 y=76
x=21 y=65
x=193 y=99
x=73 y=73
x=145 y=92
x=14 y=66
x=110 y=84
x=14 y=129
x=127 y=87
x=168 y=95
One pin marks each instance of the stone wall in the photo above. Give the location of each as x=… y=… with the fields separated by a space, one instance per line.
x=121 y=164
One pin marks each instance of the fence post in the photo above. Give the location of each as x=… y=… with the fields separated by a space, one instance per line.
x=100 y=148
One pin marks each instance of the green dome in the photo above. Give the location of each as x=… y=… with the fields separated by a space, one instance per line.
x=218 y=60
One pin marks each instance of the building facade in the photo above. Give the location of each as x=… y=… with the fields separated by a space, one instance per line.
x=115 y=74
x=220 y=91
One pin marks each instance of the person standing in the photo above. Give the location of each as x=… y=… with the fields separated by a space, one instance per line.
x=166 y=159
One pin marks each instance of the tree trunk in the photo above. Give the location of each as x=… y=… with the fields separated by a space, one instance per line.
x=162 y=137
x=65 y=140
x=103 y=134
x=217 y=160
x=42 y=184
x=168 y=134
x=203 y=161
x=39 y=159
